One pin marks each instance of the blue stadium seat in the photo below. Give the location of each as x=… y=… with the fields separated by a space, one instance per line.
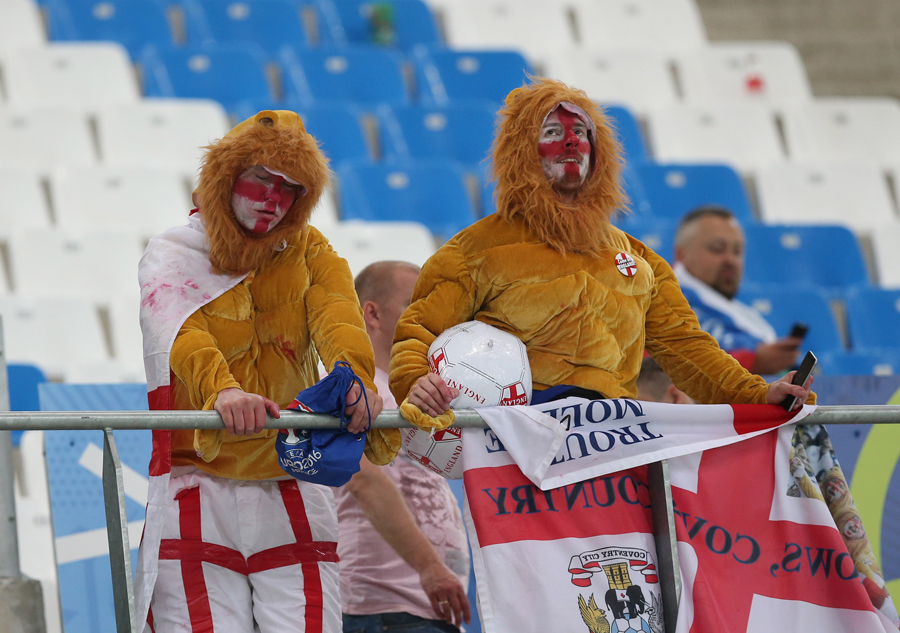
x=459 y=132
x=23 y=383
x=428 y=191
x=392 y=23
x=785 y=305
x=363 y=75
x=671 y=190
x=132 y=23
x=822 y=256
x=444 y=76
x=486 y=192
x=231 y=74
x=629 y=133
x=336 y=125
x=270 y=24
x=657 y=233
x=866 y=363
x=873 y=318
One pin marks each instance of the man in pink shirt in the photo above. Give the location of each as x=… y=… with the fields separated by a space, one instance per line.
x=404 y=562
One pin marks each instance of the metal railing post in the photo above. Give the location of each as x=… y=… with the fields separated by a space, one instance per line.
x=117 y=535
x=662 y=510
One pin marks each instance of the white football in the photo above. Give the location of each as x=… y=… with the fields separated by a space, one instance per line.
x=489 y=367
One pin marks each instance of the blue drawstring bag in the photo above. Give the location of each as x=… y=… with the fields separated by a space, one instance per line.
x=326 y=457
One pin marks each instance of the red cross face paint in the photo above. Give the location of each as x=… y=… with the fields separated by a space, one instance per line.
x=261 y=197
x=564 y=146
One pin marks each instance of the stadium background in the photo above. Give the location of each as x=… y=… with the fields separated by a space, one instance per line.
x=784 y=111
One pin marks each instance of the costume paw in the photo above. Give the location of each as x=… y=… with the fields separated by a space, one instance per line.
x=382 y=445
x=414 y=415
x=207 y=443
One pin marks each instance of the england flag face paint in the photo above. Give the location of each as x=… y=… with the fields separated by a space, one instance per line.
x=564 y=146
x=261 y=197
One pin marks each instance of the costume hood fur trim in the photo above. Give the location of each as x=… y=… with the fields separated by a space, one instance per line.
x=274 y=139
x=525 y=194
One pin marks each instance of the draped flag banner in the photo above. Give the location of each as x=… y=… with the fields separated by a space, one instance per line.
x=570 y=546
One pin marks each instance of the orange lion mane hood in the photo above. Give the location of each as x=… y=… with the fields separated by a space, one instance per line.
x=274 y=139
x=523 y=191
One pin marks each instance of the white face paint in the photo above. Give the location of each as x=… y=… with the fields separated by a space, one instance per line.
x=565 y=149
x=260 y=198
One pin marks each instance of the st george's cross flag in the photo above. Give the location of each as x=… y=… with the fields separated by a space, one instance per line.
x=576 y=552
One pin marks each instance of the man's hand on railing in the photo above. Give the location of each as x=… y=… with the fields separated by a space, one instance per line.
x=244 y=413
x=356 y=409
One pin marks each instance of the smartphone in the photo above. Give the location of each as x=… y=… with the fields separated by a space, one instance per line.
x=800 y=378
x=799 y=330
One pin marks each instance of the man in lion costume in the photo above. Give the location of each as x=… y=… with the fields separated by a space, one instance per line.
x=549 y=267
x=236 y=308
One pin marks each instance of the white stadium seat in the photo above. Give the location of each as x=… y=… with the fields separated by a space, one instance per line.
x=534 y=27
x=23 y=204
x=744 y=135
x=845 y=129
x=142 y=201
x=363 y=243
x=886 y=247
x=162 y=133
x=659 y=25
x=767 y=72
x=639 y=79
x=97 y=265
x=21 y=26
x=44 y=139
x=79 y=75
x=325 y=215
x=855 y=195
x=125 y=331
x=51 y=333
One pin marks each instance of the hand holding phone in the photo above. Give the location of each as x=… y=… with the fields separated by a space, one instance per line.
x=800 y=378
x=798 y=330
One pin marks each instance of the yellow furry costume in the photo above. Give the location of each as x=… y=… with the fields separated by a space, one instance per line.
x=263 y=335
x=546 y=271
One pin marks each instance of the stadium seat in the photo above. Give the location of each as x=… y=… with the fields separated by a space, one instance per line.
x=873 y=318
x=98 y=265
x=866 y=363
x=394 y=23
x=885 y=239
x=139 y=201
x=460 y=132
x=125 y=333
x=82 y=75
x=21 y=26
x=536 y=28
x=228 y=73
x=766 y=72
x=784 y=305
x=639 y=79
x=160 y=133
x=52 y=332
x=41 y=139
x=855 y=195
x=444 y=76
x=845 y=129
x=366 y=76
x=270 y=24
x=325 y=215
x=23 y=204
x=657 y=233
x=363 y=243
x=132 y=23
x=628 y=130
x=431 y=192
x=659 y=25
x=23 y=381
x=671 y=190
x=744 y=135
x=827 y=257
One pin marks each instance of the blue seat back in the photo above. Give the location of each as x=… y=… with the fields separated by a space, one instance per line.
x=820 y=256
x=444 y=76
x=657 y=233
x=783 y=306
x=864 y=363
x=363 y=75
x=270 y=24
x=231 y=74
x=74 y=461
x=430 y=192
x=671 y=190
x=23 y=381
x=873 y=318
x=629 y=133
x=132 y=23
x=399 y=24
x=459 y=132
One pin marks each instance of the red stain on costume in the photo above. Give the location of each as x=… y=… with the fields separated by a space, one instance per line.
x=286 y=347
